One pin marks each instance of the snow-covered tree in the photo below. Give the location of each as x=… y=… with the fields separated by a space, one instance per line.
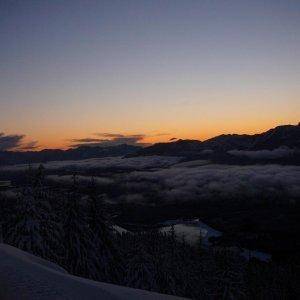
x=33 y=225
x=25 y=228
x=109 y=265
x=139 y=268
x=77 y=237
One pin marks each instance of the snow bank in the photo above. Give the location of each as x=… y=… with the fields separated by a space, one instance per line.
x=24 y=276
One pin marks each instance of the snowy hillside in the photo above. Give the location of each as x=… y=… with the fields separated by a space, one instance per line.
x=191 y=230
x=24 y=276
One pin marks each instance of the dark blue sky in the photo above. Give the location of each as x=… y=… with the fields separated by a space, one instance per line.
x=186 y=68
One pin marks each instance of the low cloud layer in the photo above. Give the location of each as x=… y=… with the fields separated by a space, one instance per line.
x=133 y=163
x=212 y=182
x=29 y=146
x=265 y=154
x=110 y=139
x=15 y=142
x=69 y=179
x=163 y=179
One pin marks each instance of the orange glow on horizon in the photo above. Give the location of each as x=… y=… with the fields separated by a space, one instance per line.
x=63 y=140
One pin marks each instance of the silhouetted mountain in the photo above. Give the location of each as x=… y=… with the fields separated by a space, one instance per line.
x=286 y=135
x=281 y=136
x=84 y=152
x=178 y=148
x=226 y=142
x=216 y=148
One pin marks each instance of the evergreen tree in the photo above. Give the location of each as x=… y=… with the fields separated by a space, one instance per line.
x=77 y=237
x=107 y=255
x=139 y=268
x=25 y=230
x=33 y=226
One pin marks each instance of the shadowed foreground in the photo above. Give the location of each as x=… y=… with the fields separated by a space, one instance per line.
x=25 y=276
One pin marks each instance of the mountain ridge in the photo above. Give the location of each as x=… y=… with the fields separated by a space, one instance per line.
x=280 y=136
x=79 y=153
x=287 y=136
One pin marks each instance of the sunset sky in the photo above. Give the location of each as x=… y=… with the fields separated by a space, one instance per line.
x=146 y=70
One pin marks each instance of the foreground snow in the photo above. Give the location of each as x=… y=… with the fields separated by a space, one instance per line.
x=25 y=276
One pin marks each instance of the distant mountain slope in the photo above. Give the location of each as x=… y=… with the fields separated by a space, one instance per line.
x=227 y=142
x=281 y=136
x=25 y=276
x=286 y=135
x=178 y=148
x=10 y=157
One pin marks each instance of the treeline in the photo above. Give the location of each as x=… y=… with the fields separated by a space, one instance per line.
x=75 y=231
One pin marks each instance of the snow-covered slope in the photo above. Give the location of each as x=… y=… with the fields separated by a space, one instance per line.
x=25 y=276
x=191 y=230
x=119 y=229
